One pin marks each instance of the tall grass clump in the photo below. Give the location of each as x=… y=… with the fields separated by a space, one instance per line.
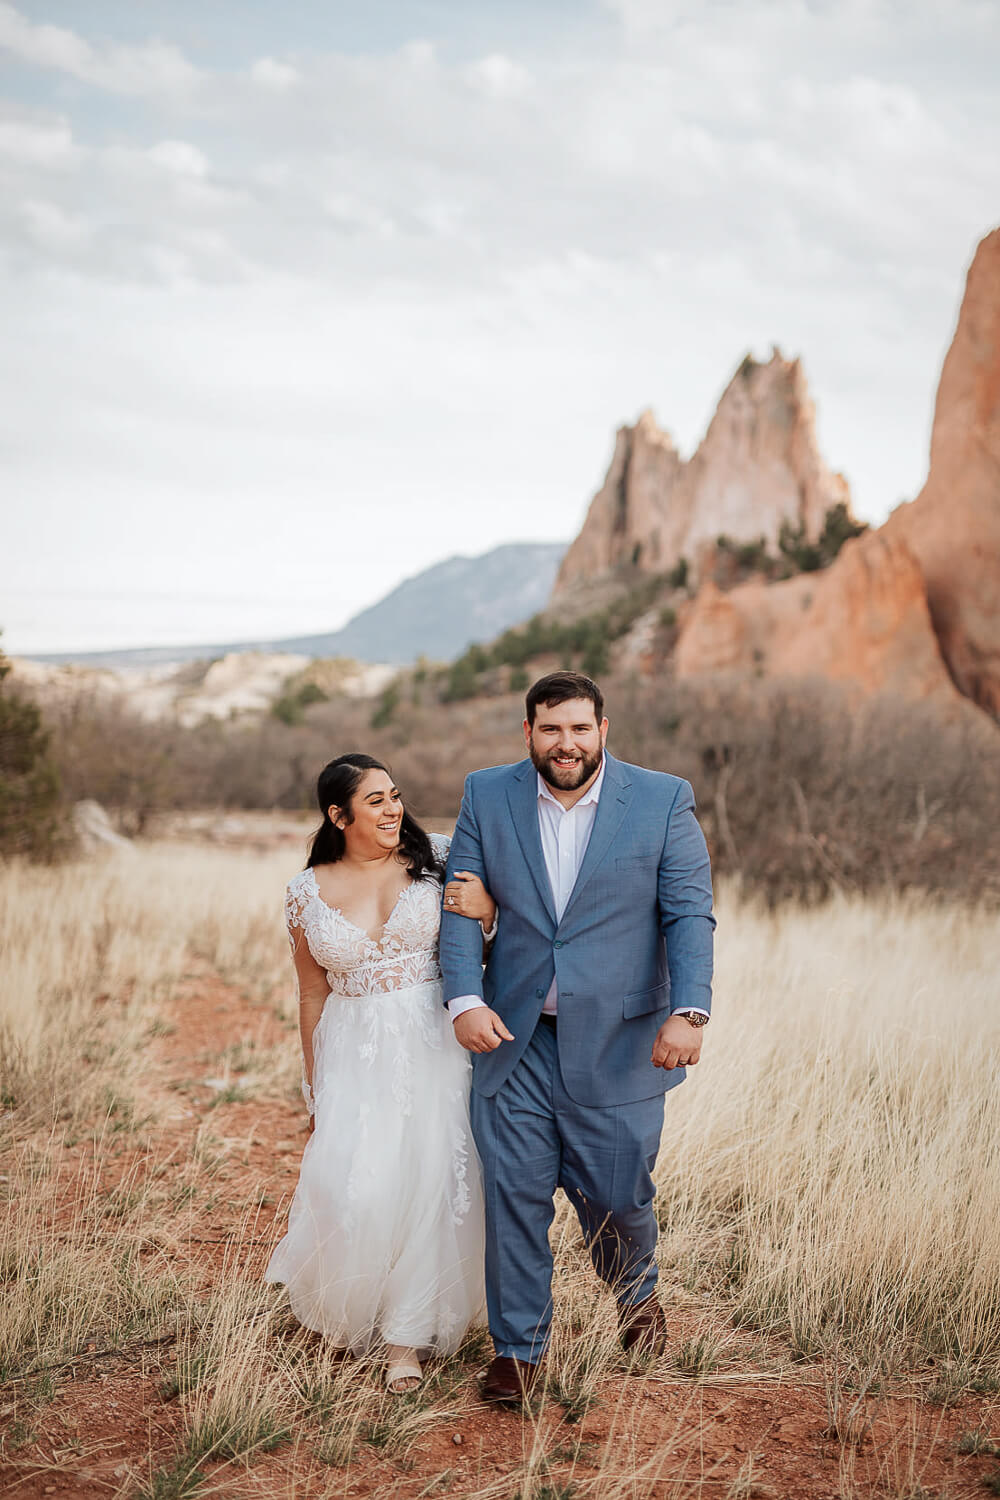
x=92 y=949
x=832 y=1162
x=74 y=1273
x=91 y=953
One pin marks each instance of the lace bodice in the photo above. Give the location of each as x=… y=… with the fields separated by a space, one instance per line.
x=357 y=965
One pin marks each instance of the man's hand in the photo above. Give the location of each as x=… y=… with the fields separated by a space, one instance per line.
x=677 y=1045
x=481 y=1029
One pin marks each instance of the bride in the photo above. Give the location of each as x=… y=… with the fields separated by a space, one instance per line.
x=385 y=1232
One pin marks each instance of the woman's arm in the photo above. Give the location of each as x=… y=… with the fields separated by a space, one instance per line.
x=313 y=990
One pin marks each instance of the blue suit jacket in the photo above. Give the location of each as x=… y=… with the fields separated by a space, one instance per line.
x=634 y=943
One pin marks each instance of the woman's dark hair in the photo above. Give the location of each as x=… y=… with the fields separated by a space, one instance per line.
x=335 y=788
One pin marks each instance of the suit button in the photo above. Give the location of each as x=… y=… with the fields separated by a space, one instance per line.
x=557 y=943
x=539 y=994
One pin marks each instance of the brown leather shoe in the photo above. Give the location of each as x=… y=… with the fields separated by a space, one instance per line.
x=643 y=1328
x=508 y=1382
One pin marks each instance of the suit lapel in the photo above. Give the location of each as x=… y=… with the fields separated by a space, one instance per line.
x=522 y=798
x=615 y=799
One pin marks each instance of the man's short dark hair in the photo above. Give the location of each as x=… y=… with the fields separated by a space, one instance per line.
x=561 y=687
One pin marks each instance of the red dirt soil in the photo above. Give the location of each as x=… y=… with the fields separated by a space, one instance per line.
x=752 y=1432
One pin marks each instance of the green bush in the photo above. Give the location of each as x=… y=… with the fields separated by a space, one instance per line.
x=462 y=680
x=585 y=641
x=388 y=703
x=804 y=556
x=809 y=557
x=29 y=784
x=291 y=706
x=838 y=528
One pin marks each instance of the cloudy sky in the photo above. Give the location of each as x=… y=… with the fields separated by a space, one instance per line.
x=300 y=298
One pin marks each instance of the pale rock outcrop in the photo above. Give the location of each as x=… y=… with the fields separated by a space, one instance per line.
x=241 y=682
x=244 y=682
x=633 y=518
x=93 y=829
x=953 y=526
x=757 y=467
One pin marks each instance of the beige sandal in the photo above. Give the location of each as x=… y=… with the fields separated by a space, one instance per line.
x=403 y=1371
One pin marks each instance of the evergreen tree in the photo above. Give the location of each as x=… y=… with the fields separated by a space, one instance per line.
x=29 y=783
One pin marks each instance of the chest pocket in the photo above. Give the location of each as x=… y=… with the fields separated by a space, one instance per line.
x=637 y=869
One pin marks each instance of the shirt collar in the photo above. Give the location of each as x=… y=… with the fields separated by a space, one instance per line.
x=593 y=795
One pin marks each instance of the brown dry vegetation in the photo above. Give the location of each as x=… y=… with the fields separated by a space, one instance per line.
x=829 y=1197
x=802 y=792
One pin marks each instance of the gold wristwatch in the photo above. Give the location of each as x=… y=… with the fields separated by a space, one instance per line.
x=693 y=1017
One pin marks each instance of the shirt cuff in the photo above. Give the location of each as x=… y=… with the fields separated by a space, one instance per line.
x=699 y=1010
x=461 y=1003
x=488 y=936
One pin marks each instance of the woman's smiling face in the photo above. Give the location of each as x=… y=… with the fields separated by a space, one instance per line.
x=376 y=814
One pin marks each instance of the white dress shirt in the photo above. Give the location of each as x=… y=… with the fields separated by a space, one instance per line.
x=565 y=833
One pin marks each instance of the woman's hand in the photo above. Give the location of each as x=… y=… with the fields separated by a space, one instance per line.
x=466 y=896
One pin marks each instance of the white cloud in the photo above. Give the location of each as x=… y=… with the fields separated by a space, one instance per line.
x=491 y=262
x=180 y=157
x=153 y=68
x=418 y=53
x=271 y=74
x=52 y=228
x=498 y=76
x=47 y=144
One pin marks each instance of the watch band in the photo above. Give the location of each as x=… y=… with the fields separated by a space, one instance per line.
x=693 y=1017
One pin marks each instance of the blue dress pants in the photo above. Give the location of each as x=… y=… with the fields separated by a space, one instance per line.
x=532 y=1138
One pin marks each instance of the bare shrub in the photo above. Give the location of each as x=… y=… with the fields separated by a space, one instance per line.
x=802 y=791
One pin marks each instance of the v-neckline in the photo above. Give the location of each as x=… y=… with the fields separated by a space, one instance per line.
x=376 y=942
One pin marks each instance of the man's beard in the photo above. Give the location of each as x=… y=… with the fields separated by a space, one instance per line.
x=565 y=778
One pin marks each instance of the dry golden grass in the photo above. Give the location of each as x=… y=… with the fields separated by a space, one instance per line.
x=829 y=1189
x=833 y=1161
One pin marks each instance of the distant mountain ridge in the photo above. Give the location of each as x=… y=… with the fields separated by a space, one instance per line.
x=436 y=613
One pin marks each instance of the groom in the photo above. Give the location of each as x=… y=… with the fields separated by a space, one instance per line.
x=590 y=1006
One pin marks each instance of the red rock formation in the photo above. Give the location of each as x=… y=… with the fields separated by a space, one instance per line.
x=864 y=622
x=953 y=526
x=757 y=466
x=912 y=609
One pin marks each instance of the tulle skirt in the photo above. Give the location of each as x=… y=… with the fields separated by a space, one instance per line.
x=385 y=1232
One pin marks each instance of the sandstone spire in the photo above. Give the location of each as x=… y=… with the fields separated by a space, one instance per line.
x=757 y=466
x=633 y=518
x=953 y=526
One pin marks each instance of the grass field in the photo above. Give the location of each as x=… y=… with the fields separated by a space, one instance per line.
x=829 y=1202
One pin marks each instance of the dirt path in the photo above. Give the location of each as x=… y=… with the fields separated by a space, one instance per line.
x=752 y=1430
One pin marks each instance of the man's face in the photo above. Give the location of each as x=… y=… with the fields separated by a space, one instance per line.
x=566 y=743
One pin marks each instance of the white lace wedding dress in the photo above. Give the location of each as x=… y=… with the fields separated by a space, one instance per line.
x=385 y=1232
